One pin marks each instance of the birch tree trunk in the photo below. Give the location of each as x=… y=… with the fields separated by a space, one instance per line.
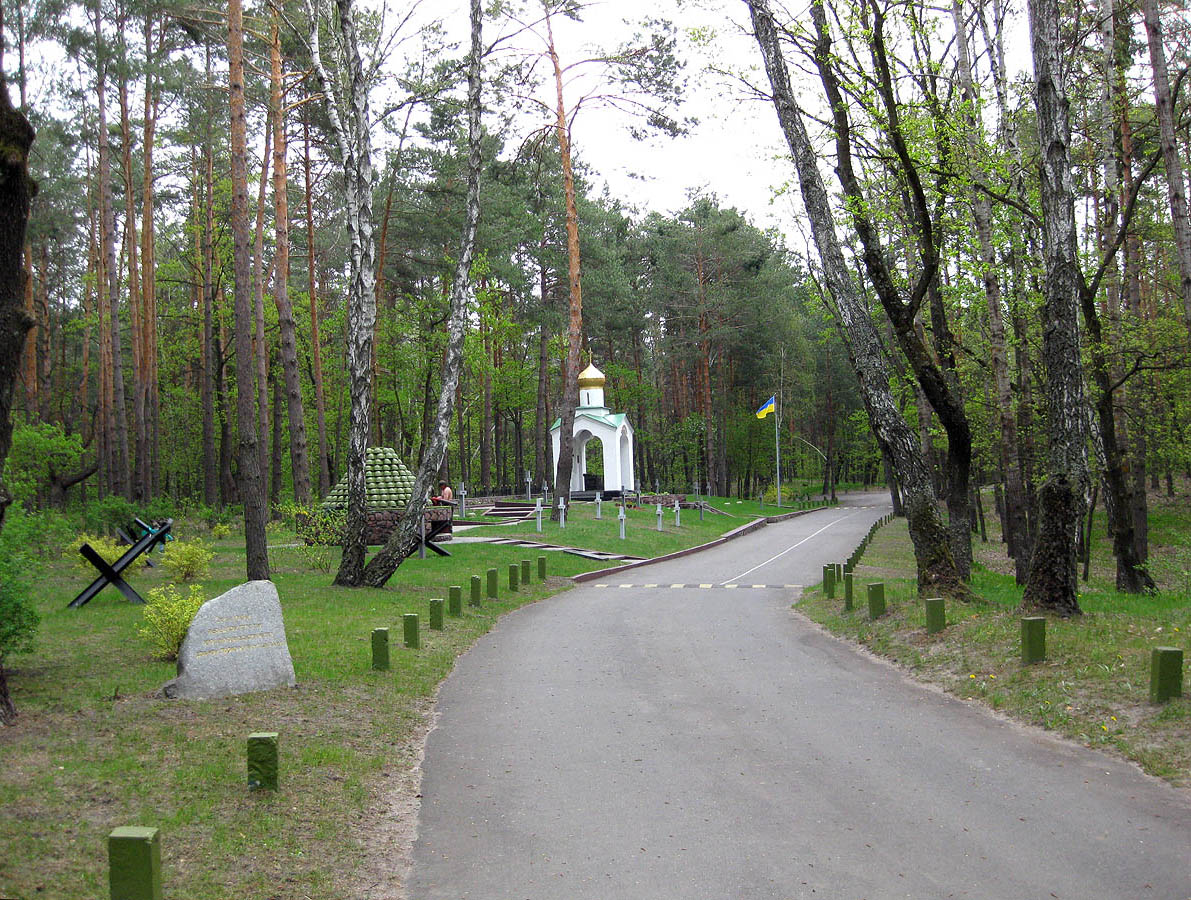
x=350 y=125
x=1176 y=192
x=1015 y=513
x=320 y=403
x=251 y=482
x=932 y=550
x=405 y=537
x=1052 y=583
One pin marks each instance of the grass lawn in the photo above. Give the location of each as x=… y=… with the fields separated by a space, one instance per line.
x=1093 y=685
x=95 y=748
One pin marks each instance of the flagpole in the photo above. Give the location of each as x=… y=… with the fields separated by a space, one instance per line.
x=777 y=447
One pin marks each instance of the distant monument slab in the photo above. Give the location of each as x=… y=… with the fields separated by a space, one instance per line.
x=236 y=644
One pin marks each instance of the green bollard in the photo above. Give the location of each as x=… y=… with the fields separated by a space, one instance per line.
x=525 y=567
x=492 y=593
x=848 y=591
x=1033 y=639
x=876 y=600
x=839 y=573
x=380 y=649
x=514 y=576
x=409 y=623
x=134 y=863
x=455 y=601
x=262 y=761
x=541 y=568
x=936 y=615
x=436 y=623
x=829 y=581
x=1166 y=674
x=475 y=591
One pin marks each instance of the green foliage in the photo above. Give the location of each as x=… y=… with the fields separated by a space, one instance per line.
x=221 y=530
x=167 y=616
x=187 y=560
x=108 y=514
x=41 y=536
x=108 y=549
x=18 y=618
x=38 y=453
x=319 y=526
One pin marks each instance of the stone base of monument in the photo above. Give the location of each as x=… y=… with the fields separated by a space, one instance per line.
x=236 y=644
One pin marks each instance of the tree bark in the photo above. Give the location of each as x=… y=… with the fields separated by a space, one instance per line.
x=351 y=127
x=320 y=403
x=570 y=389
x=1175 y=189
x=16 y=194
x=932 y=549
x=299 y=457
x=1052 y=583
x=260 y=352
x=404 y=539
x=210 y=360
x=251 y=482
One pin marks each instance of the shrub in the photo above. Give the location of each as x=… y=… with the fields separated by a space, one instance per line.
x=167 y=617
x=318 y=526
x=108 y=548
x=18 y=620
x=45 y=535
x=221 y=530
x=108 y=514
x=187 y=560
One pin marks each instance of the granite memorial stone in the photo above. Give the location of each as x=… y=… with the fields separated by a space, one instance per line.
x=236 y=644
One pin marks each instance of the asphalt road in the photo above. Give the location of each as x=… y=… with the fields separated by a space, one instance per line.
x=705 y=742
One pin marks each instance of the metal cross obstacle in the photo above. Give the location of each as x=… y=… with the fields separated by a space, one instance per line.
x=110 y=574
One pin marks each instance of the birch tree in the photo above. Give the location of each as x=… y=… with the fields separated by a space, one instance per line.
x=932 y=551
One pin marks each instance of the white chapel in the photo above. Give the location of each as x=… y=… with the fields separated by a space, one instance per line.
x=594 y=420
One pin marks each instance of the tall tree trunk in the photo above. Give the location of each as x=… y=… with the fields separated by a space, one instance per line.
x=932 y=549
x=1052 y=582
x=16 y=194
x=1175 y=190
x=320 y=403
x=570 y=389
x=1014 y=524
x=118 y=410
x=299 y=458
x=260 y=353
x=252 y=489
x=152 y=400
x=381 y=568
x=351 y=128
x=210 y=359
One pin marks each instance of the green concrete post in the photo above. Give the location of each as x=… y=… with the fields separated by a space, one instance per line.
x=525 y=567
x=848 y=577
x=839 y=573
x=492 y=592
x=455 y=601
x=380 y=649
x=409 y=623
x=262 y=761
x=134 y=863
x=936 y=615
x=1166 y=674
x=541 y=568
x=475 y=591
x=514 y=576
x=829 y=581
x=876 y=600
x=1033 y=639
x=436 y=623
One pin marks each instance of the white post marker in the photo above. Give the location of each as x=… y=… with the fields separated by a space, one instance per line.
x=528 y=484
x=659 y=517
x=620 y=515
x=677 y=515
x=538 y=510
x=599 y=500
x=562 y=514
x=462 y=500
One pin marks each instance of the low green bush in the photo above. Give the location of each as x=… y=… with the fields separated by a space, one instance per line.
x=108 y=548
x=167 y=616
x=187 y=560
x=220 y=530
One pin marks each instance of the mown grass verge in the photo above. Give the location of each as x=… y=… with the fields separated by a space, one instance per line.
x=1093 y=686
x=94 y=747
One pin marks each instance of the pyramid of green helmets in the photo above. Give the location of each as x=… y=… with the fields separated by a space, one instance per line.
x=386 y=477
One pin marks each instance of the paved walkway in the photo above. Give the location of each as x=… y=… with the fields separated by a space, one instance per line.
x=706 y=742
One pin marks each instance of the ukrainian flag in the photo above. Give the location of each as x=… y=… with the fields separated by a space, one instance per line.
x=767 y=407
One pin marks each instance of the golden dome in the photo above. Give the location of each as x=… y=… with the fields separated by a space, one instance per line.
x=591 y=377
